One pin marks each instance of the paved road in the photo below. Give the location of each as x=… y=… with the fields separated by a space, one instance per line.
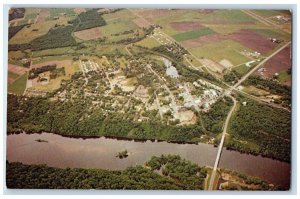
x=213 y=175
x=264 y=20
x=258 y=66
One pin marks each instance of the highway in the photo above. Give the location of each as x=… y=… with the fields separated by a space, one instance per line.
x=258 y=66
x=213 y=175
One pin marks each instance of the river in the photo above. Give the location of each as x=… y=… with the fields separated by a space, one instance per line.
x=101 y=152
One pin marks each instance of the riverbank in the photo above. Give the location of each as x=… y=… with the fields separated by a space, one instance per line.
x=63 y=152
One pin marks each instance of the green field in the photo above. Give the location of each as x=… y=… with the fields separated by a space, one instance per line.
x=193 y=34
x=19 y=85
x=226 y=49
x=54 y=51
x=269 y=13
x=31 y=13
x=12 y=75
x=284 y=77
x=54 y=12
x=242 y=69
x=273 y=33
x=148 y=43
x=228 y=17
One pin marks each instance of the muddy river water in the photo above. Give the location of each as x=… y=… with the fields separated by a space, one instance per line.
x=63 y=152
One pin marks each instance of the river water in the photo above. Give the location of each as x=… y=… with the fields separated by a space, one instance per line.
x=101 y=152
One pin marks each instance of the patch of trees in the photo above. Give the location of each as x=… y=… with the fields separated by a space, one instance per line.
x=137 y=37
x=172 y=50
x=34 y=73
x=16 y=13
x=183 y=171
x=267 y=127
x=87 y=20
x=232 y=76
x=21 y=176
x=214 y=119
x=57 y=72
x=37 y=114
x=271 y=85
x=56 y=38
x=12 y=31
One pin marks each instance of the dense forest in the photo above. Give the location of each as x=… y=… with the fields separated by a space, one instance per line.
x=56 y=37
x=179 y=175
x=214 y=119
x=37 y=114
x=190 y=174
x=87 y=20
x=260 y=129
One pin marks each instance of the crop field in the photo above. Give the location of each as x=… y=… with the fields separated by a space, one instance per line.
x=279 y=63
x=253 y=40
x=273 y=33
x=51 y=58
x=193 y=34
x=55 y=12
x=31 y=13
x=227 y=17
x=184 y=26
x=19 y=85
x=43 y=15
x=269 y=13
x=202 y=40
x=88 y=34
x=225 y=49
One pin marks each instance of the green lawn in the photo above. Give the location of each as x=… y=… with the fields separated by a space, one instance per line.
x=19 y=85
x=226 y=49
x=284 y=77
x=193 y=34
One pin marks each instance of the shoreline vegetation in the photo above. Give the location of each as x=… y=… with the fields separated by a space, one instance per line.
x=165 y=172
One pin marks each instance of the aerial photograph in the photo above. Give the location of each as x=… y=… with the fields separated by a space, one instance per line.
x=149 y=99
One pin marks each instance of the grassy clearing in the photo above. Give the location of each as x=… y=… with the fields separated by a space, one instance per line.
x=148 y=43
x=284 y=77
x=226 y=49
x=51 y=58
x=193 y=34
x=54 y=51
x=18 y=86
x=54 y=12
x=252 y=90
x=242 y=69
x=16 y=55
x=117 y=27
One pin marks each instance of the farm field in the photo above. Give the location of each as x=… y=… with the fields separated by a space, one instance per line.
x=99 y=91
x=226 y=49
